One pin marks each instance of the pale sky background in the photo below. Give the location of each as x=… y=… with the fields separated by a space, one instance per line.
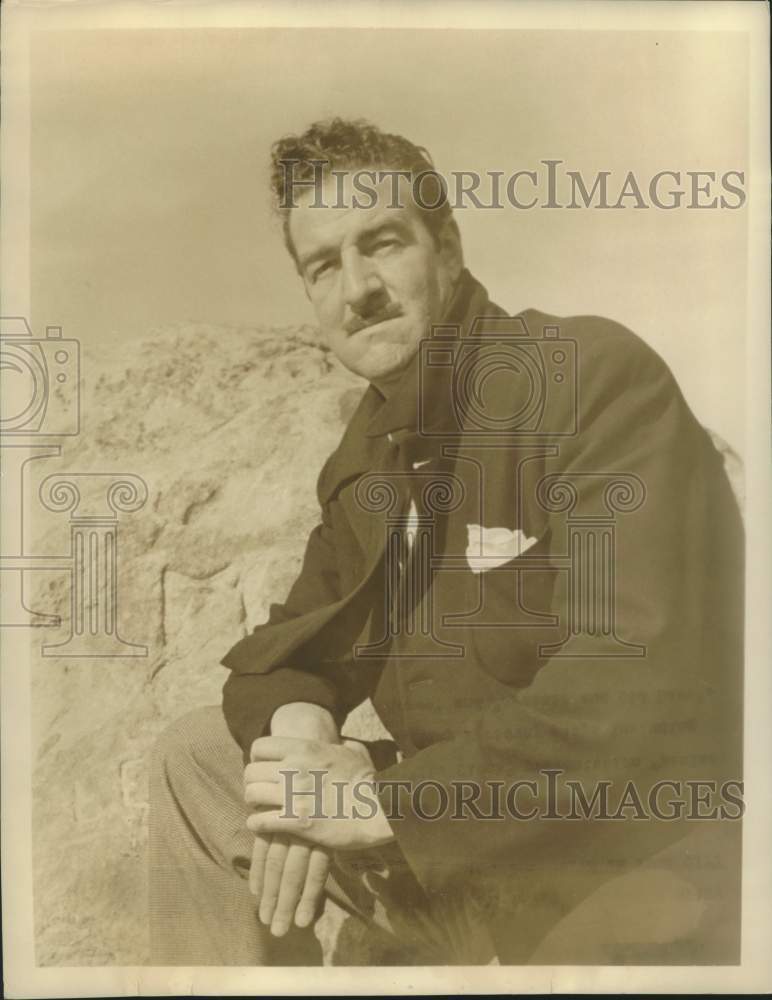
x=149 y=175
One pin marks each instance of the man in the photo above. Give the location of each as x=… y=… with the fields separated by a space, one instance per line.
x=529 y=557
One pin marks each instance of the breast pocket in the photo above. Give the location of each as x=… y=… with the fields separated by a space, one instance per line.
x=514 y=616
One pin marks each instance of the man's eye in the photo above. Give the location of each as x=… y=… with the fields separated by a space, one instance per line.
x=385 y=244
x=320 y=270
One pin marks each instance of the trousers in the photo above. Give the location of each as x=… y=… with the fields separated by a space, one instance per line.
x=681 y=907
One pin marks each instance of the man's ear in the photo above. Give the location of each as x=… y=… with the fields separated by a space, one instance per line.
x=449 y=240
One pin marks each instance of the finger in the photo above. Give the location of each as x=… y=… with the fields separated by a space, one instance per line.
x=278 y=747
x=263 y=793
x=279 y=823
x=272 y=873
x=292 y=881
x=256 y=868
x=316 y=879
x=262 y=771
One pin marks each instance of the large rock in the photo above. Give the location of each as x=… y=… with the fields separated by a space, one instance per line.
x=228 y=428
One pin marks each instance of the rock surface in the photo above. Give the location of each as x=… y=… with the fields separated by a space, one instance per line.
x=228 y=428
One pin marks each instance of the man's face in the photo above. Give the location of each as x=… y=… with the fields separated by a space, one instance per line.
x=376 y=277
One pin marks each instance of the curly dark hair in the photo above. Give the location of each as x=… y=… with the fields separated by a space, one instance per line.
x=342 y=144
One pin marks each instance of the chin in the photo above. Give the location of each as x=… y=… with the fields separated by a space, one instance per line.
x=386 y=366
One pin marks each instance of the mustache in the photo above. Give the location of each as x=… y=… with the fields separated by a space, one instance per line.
x=357 y=323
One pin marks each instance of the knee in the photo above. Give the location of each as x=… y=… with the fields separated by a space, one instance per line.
x=185 y=743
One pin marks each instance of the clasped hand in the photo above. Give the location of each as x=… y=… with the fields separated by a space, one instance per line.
x=310 y=798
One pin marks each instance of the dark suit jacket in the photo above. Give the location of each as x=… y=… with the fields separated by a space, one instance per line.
x=655 y=693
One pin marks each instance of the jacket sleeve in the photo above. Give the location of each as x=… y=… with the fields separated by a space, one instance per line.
x=285 y=659
x=672 y=712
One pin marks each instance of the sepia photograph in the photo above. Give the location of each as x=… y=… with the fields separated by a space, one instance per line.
x=384 y=565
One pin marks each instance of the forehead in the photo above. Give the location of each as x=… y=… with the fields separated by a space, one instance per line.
x=338 y=213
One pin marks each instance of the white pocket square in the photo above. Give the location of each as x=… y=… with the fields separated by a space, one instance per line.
x=488 y=548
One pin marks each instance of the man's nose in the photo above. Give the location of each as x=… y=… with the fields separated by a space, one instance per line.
x=362 y=288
